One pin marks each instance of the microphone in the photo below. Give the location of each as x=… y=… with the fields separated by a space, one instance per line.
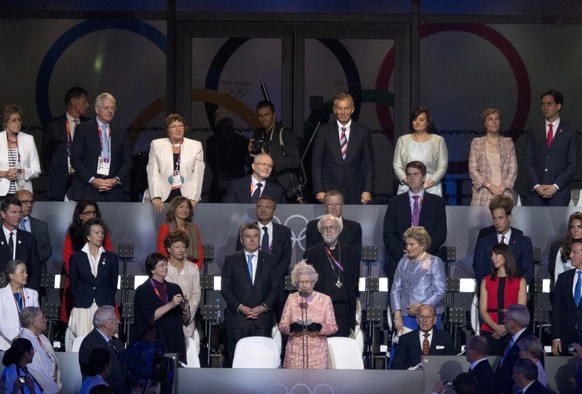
x=303 y=294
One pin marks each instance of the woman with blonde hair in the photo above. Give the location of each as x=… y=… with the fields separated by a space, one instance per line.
x=492 y=161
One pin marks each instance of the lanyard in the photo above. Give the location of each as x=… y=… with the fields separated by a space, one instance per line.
x=333 y=260
x=158 y=292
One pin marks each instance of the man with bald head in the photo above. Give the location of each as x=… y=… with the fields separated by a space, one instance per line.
x=248 y=189
x=37 y=227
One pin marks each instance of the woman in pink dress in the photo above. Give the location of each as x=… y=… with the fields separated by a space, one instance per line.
x=308 y=319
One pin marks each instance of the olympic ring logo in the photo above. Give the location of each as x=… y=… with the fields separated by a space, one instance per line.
x=298 y=226
x=237 y=92
x=280 y=388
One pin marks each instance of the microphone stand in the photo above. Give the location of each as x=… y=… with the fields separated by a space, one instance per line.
x=303 y=294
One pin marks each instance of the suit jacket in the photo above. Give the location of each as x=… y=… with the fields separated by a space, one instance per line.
x=27 y=251
x=330 y=171
x=281 y=248
x=85 y=152
x=398 y=219
x=28 y=160
x=10 y=321
x=556 y=164
x=161 y=166
x=503 y=375
x=237 y=288
x=86 y=287
x=522 y=251
x=484 y=375
x=54 y=156
x=537 y=388
x=350 y=235
x=409 y=350
x=116 y=377
x=239 y=191
x=39 y=228
x=565 y=314
x=350 y=260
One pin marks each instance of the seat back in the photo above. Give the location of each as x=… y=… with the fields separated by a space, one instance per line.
x=77 y=343
x=192 y=353
x=344 y=353
x=256 y=352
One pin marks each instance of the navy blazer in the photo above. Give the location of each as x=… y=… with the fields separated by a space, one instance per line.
x=521 y=247
x=86 y=287
x=54 y=156
x=409 y=350
x=484 y=375
x=116 y=377
x=350 y=235
x=85 y=152
x=239 y=191
x=330 y=171
x=237 y=288
x=398 y=219
x=556 y=164
x=503 y=375
x=27 y=251
x=566 y=316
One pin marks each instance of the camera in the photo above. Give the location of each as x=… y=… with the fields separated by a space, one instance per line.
x=259 y=145
x=22 y=379
x=571 y=349
x=448 y=383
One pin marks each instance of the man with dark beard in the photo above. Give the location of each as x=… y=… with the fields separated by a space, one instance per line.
x=338 y=266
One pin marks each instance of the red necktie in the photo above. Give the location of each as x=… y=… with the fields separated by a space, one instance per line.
x=425 y=344
x=550 y=134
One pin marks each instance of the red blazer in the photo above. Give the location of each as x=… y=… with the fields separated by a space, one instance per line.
x=163 y=232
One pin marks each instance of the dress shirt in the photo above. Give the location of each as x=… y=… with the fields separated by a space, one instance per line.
x=72 y=125
x=420 y=194
x=25 y=224
x=254 y=183
x=421 y=337
x=516 y=335
x=348 y=128
x=254 y=263
x=7 y=235
x=555 y=123
x=270 y=230
x=524 y=390
x=506 y=235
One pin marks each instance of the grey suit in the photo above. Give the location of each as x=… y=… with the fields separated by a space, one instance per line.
x=39 y=228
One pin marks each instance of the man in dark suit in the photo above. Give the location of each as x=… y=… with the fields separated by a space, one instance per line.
x=525 y=376
x=250 y=288
x=338 y=267
x=426 y=340
x=105 y=326
x=476 y=351
x=16 y=244
x=521 y=246
x=248 y=189
x=343 y=158
x=399 y=217
x=37 y=227
x=100 y=156
x=57 y=140
x=551 y=155
x=567 y=308
x=351 y=234
x=516 y=323
x=276 y=240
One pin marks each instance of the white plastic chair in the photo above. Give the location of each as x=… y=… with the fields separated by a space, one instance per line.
x=276 y=335
x=475 y=324
x=192 y=353
x=77 y=343
x=344 y=353
x=256 y=352
x=359 y=337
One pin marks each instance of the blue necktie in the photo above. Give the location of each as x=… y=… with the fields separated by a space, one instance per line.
x=105 y=141
x=507 y=350
x=578 y=288
x=265 y=241
x=250 y=265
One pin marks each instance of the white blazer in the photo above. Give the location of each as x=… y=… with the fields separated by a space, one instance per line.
x=28 y=160
x=161 y=166
x=44 y=364
x=9 y=318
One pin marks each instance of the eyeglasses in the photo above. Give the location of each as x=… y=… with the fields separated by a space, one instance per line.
x=26 y=202
x=89 y=213
x=268 y=165
x=247 y=236
x=328 y=228
x=108 y=108
x=176 y=126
